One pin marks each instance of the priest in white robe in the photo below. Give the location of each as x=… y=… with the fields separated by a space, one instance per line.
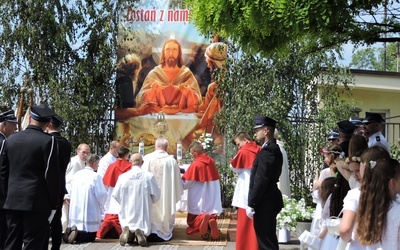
x=88 y=196
x=136 y=191
x=167 y=174
x=77 y=163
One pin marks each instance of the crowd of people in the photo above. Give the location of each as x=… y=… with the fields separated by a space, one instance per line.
x=80 y=198
x=127 y=196
x=133 y=198
x=359 y=184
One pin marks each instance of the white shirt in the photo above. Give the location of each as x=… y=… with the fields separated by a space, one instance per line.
x=378 y=139
x=74 y=166
x=167 y=174
x=105 y=161
x=136 y=191
x=88 y=196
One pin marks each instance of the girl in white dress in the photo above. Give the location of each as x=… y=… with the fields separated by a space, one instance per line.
x=331 y=156
x=350 y=204
x=335 y=204
x=378 y=215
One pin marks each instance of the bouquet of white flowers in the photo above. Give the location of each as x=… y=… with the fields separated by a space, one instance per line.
x=292 y=212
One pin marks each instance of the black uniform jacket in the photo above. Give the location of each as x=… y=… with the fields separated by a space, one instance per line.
x=64 y=157
x=264 y=194
x=31 y=163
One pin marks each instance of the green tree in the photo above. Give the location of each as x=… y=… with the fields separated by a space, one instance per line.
x=66 y=52
x=302 y=92
x=372 y=58
x=265 y=26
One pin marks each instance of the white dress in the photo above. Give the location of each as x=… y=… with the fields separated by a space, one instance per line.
x=350 y=202
x=390 y=238
x=88 y=197
x=317 y=218
x=329 y=242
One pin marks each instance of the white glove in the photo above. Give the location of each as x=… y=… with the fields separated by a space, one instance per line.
x=250 y=212
x=51 y=215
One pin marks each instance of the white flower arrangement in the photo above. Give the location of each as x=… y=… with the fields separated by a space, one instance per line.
x=207 y=141
x=292 y=212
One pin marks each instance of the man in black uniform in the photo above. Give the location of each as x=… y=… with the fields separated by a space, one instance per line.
x=346 y=131
x=33 y=185
x=64 y=156
x=8 y=125
x=265 y=200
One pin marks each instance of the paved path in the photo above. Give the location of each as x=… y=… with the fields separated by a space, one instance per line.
x=292 y=245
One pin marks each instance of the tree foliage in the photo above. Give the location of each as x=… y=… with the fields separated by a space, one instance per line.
x=65 y=52
x=302 y=92
x=272 y=25
x=373 y=58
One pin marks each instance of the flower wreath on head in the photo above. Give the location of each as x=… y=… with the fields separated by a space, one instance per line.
x=352 y=159
x=325 y=151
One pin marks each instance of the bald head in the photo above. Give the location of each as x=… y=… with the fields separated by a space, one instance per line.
x=162 y=144
x=136 y=159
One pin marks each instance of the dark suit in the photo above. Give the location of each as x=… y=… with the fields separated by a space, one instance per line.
x=3 y=222
x=345 y=148
x=264 y=195
x=64 y=156
x=33 y=189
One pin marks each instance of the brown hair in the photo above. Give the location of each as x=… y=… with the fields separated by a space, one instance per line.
x=241 y=136
x=357 y=143
x=375 y=200
x=326 y=189
x=123 y=151
x=180 y=59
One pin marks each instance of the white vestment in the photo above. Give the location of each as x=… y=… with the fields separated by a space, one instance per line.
x=167 y=174
x=284 y=180
x=88 y=196
x=240 y=196
x=136 y=191
x=104 y=162
x=74 y=166
x=204 y=197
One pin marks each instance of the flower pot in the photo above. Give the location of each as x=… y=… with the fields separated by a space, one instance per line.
x=283 y=235
x=302 y=226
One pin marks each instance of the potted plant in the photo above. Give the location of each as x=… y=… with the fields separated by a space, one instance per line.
x=295 y=215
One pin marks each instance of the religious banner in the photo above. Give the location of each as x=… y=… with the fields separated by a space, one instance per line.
x=164 y=78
